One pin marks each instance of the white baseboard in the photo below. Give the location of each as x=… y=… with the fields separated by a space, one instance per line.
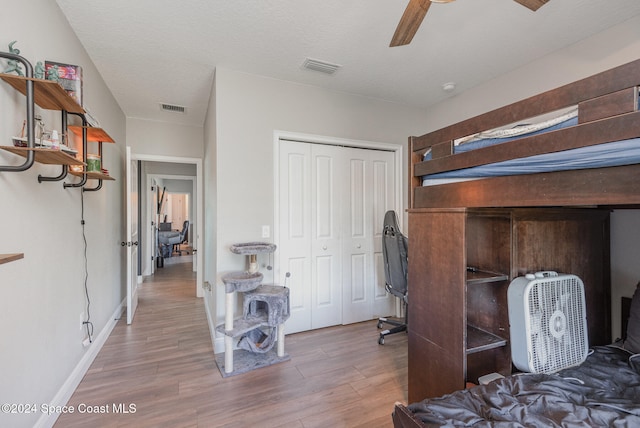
x=68 y=388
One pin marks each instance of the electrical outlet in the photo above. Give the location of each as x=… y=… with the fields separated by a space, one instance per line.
x=81 y=320
x=265 y=231
x=86 y=342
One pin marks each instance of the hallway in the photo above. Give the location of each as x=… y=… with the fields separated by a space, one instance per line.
x=161 y=370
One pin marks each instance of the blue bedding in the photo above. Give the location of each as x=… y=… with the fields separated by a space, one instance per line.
x=617 y=153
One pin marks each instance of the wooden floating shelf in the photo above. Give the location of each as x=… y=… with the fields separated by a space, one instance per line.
x=92 y=175
x=46 y=93
x=45 y=156
x=6 y=258
x=93 y=134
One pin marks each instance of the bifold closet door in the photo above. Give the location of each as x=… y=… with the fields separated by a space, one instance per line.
x=331 y=200
x=309 y=243
x=294 y=225
x=369 y=193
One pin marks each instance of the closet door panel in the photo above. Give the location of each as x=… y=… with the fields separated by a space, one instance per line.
x=295 y=231
x=326 y=252
x=384 y=199
x=357 y=277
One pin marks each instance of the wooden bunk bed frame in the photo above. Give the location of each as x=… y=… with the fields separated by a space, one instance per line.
x=442 y=219
x=608 y=111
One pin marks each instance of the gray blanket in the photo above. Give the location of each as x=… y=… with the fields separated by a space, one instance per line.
x=604 y=391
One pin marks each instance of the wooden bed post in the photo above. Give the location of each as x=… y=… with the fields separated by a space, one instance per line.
x=414 y=158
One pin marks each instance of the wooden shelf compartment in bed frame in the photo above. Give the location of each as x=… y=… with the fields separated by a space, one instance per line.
x=479 y=339
x=459 y=317
x=608 y=111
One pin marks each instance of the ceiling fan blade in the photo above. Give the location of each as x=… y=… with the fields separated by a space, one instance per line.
x=410 y=22
x=532 y=4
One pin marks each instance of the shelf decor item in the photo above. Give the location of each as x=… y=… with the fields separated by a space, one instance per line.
x=12 y=64
x=39 y=71
x=93 y=163
x=68 y=76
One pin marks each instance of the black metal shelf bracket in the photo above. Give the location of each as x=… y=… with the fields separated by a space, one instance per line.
x=84 y=152
x=65 y=168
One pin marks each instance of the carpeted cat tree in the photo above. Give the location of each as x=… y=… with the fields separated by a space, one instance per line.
x=250 y=339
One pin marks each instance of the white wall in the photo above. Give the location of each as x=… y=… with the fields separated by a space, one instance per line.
x=601 y=52
x=248 y=110
x=164 y=138
x=616 y=46
x=209 y=164
x=42 y=295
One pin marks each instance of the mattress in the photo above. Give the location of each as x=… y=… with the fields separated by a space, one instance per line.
x=617 y=153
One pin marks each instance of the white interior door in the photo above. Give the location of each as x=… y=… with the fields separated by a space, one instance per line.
x=132 y=235
x=331 y=204
x=369 y=193
x=295 y=231
x=327 y=178
x=384 y=187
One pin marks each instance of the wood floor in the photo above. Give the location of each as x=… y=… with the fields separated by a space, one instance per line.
x=163 y=366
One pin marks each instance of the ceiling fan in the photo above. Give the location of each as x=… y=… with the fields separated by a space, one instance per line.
x=417 y=9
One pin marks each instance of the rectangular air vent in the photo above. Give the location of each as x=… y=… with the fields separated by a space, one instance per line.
x=321 y=66
x=173 y=108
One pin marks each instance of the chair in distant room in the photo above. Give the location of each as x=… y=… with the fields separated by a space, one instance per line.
x=182 y=237
x=394 y=252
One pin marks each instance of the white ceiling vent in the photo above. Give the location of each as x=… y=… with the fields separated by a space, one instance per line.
x=173 y=108
x=321 y=66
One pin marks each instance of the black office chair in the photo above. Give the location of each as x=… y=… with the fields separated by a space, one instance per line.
x=182 y=237
x=394 y=252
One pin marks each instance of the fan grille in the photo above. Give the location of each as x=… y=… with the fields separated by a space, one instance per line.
x=557 y=329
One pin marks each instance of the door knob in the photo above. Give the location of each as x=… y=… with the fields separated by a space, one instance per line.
x=324 y=247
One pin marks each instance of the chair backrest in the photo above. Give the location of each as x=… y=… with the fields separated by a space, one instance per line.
x=183 y=232
x=394 y=252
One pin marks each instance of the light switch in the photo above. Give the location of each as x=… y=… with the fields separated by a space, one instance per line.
x=265 y=231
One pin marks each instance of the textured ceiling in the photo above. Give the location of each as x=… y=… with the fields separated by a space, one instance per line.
x=160 y=51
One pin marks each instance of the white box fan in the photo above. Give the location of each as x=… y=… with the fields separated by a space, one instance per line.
x=548 y=322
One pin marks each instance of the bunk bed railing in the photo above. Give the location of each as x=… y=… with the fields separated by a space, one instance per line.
x=607 y=111
x=605 y=83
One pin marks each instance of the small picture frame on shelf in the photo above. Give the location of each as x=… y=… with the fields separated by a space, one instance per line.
x=68 y=76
